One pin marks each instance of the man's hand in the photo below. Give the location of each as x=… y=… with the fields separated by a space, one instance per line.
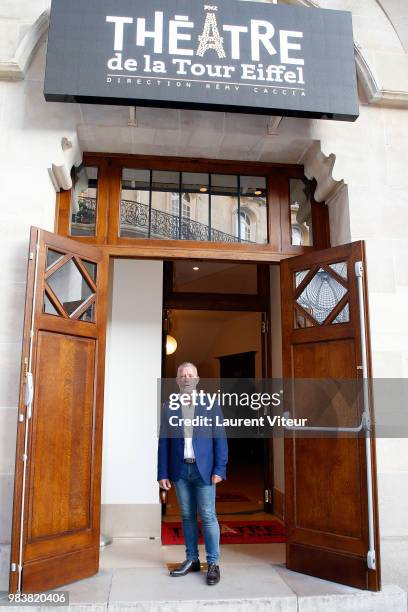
x=215 y=478
x=165 y=484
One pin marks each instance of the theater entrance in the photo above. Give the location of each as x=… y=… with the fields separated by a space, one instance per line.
x=216 y=316
x=318 y=326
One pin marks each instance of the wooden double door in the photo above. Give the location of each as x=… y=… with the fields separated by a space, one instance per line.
x=331 y=502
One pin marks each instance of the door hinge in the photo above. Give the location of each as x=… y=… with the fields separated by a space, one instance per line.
x=31 y=256
x=268 y=496
x=371 y=560
x=13 y=567
x=265 y=326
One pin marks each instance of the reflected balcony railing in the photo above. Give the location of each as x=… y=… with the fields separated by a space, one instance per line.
x=135 y=221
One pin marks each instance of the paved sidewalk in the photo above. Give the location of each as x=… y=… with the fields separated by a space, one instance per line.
x=134 y=576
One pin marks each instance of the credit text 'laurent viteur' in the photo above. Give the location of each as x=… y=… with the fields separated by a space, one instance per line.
x=217 y=421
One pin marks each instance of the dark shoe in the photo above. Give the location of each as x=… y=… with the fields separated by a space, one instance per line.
x=213 y=573
x=187 y=566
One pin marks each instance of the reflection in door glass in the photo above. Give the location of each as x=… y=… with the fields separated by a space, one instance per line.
x=89 y=314
x=48 y=307
x=340 y=268
x=321 y=295
x=299 y=276
x=344 y=315
x=53 y=257
x=91 y=267
x=300 y=320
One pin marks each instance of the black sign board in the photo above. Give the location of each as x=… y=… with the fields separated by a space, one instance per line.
x=248 y=57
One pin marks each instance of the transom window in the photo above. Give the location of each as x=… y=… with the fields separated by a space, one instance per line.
x=193 y=206
x=83 y=204
x=248 y=207
x=300 y=195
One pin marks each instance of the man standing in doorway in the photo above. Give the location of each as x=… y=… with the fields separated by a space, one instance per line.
x=195 y=463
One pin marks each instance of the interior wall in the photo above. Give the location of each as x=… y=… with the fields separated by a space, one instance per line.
x=130 y=499
x=276 y=353
x=203 y=336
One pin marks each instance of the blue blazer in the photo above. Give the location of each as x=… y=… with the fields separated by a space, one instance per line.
x=209 y=443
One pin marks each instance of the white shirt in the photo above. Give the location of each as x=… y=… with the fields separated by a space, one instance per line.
x=188 y=413
x=188 y=448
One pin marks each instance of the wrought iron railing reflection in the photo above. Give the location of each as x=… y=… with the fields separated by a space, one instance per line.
x=86 y=211
x=134 y=221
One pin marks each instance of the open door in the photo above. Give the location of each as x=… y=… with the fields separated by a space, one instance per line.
x=56 y=511
x=330 y=482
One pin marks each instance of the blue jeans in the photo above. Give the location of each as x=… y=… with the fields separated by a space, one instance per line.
x=194 y=494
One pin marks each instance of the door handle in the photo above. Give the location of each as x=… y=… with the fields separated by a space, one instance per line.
x=365 y=424
x=29 y=393
x=371 y=556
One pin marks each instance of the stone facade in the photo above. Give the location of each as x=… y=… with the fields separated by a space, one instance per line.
x=360 y=170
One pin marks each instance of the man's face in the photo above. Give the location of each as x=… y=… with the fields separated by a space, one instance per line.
x=187 y=379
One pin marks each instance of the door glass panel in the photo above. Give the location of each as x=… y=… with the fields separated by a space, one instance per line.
x=299 y=276
x=300 y=320
x=84 y=201
x=91 y=267
x=194 y=206
x=224 y=208
x=300 y=200
x=134 y=204
x=253 y=209
x=48 y=307
x=165 y=222
x=344 y=315
x=89 y=314
x=340 y=268
x=321 y=295
x=53 y=257
x=69 y=286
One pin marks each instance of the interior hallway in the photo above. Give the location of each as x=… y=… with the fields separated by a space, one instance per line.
x=243 y=479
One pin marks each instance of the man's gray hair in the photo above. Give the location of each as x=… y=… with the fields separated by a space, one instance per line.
x=187 y=364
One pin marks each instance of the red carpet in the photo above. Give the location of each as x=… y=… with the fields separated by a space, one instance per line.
x=232 y=496
x=232 y=532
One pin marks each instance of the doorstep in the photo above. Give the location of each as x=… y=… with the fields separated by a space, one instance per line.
x=134 y=576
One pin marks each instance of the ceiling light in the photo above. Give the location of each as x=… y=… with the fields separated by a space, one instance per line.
x=258 y=192
x=171 y=345
x=196 y=268
x=203 y=189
